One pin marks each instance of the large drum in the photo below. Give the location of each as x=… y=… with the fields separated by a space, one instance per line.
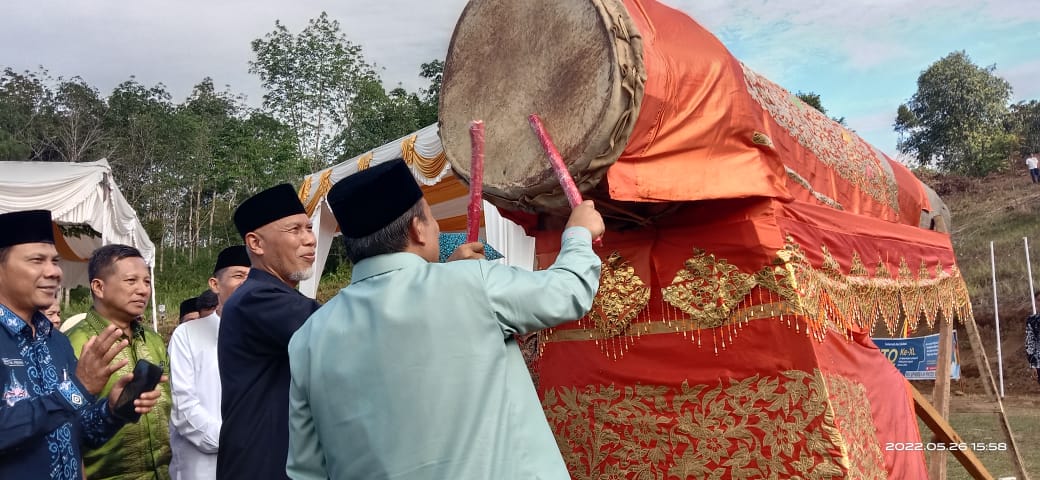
x=577 y=64
x=649 y=110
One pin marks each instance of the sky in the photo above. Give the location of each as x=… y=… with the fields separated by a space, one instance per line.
x=862 y=57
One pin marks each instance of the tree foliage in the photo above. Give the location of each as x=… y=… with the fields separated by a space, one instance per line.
x=312 y=79
x=185 y=166
x=957 y=119
x=812 y=99
x=1025 y=122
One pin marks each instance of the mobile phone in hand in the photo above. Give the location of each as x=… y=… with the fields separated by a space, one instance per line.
x=146 y=377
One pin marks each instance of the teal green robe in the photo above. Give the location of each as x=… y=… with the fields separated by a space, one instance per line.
x=411 y=371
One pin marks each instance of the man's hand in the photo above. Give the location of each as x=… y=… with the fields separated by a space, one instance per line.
x=95 y=364
x=585 y=215
x=142 y=404
x=1033 y=372
x=468 y=251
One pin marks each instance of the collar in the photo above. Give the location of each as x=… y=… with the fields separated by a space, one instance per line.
x=264 y=276
x=15 y=325
x=381 y=264
x=98 y=323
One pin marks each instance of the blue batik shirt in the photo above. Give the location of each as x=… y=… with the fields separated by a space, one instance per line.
x=45 y=412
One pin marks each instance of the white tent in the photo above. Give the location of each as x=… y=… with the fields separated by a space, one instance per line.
x=76 y=194
x=447 y=195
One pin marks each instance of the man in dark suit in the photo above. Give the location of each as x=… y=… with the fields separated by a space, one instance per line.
x=257 y=323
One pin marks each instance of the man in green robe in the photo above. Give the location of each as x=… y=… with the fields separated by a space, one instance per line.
x=120 y=284
x=412 y=370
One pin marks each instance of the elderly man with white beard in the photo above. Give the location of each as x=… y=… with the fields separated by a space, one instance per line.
x=256 y=324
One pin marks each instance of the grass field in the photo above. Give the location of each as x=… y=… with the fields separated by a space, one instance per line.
x=972 y=418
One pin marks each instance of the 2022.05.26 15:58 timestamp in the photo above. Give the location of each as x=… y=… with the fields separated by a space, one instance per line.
x=945 y=447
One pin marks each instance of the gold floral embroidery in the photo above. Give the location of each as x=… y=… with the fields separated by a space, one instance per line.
x=851 y=158
x=708 y=289
x=856 y=425
x=621 y=297
x=779 y=426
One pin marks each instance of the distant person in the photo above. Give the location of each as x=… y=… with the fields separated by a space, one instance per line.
x=206 y=303
x=412 y=371
x=1033 y=344
x=53 y=313
x=195 y=378
x=255 y=327
x=189 y=310
x=1032 y=164
x=120 y=285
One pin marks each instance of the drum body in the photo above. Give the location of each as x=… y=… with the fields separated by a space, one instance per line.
x=649 y=110
x=577 y=64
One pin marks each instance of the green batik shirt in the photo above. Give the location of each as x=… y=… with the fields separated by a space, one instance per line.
x=139 y=450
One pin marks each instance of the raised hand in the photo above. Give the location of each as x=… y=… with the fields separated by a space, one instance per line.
x=586 y=215
x=468 y=251
x=95 y=364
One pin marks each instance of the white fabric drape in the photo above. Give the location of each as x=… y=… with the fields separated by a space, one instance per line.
x=502 y=234
x=76 y=194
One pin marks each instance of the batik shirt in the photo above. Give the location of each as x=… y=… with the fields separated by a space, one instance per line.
x=45 y=412
x=1033 y=340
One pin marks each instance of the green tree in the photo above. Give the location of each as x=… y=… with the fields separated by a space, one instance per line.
x=1025 y=122
x=813 y=100
x=135 y=121
x=378 y=116
x=25 y=104
x=75 y=131
x=434 y=72
x=312 y=79
x=957 y=118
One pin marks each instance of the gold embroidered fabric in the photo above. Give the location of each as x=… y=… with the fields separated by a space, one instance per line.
x=713 y=295
x=855 y=424
x=708 y=289
x=621 y=297
x=779 y=426
x=851 y=158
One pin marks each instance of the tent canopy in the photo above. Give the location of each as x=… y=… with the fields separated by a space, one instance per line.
x=76 y=194
x=447 y=195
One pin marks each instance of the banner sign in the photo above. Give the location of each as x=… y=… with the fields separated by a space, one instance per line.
x=917 y=357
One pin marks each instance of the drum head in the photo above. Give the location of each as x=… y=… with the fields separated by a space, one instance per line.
x=575 y=63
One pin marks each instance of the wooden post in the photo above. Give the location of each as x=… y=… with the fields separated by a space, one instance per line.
x=991 y=388
x=941 y=394
x=981 y=359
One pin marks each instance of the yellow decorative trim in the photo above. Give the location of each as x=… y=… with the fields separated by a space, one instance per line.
x=305 y=190
x=324 y=185
x=365 y=161
x=430 y=167
x=780 y=426
x=713 y=296
x=665 y=325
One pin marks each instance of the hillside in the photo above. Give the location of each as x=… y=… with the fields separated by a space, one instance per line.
x=1001 y=208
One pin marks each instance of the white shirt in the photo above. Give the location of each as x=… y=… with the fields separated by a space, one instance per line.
x=195 y=384
x=1031 y=161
